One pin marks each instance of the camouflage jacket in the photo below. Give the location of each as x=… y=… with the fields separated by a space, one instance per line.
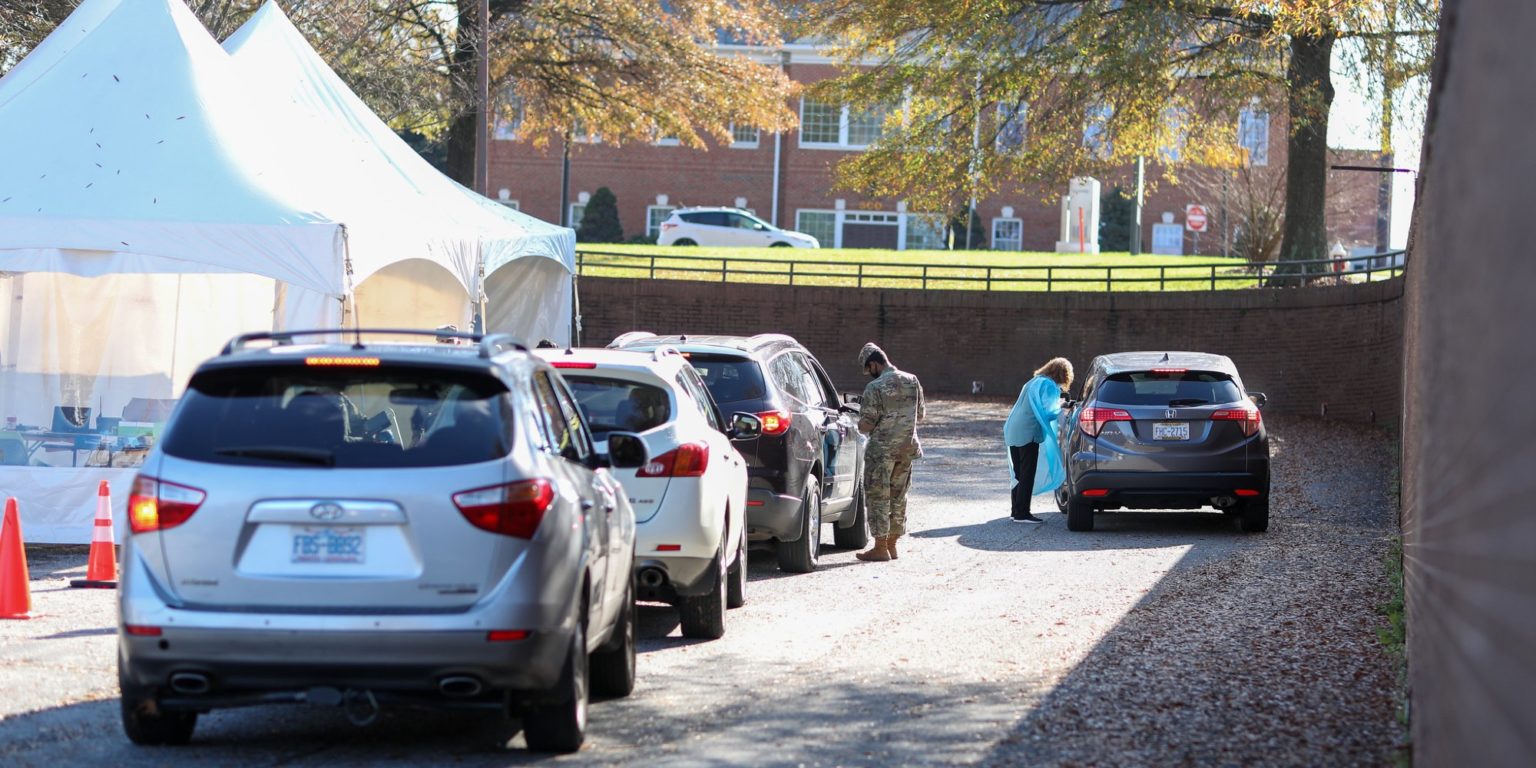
x=889 y=411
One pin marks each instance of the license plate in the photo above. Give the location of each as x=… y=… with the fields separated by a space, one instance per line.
x=327 y=544
x=1170 y=430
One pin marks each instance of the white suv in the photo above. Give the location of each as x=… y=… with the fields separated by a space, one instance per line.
x=727 y=227
x=690 y=497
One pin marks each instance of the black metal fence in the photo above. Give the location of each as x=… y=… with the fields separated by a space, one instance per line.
x=939 y=276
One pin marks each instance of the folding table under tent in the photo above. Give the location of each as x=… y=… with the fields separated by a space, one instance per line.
x=528 y=263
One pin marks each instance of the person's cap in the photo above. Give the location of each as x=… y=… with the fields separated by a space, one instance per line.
x=868 y=350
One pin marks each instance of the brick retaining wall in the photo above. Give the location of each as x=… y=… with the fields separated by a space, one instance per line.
x=1336 y=348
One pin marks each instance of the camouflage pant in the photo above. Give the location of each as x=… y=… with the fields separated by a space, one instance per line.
x=886 y=480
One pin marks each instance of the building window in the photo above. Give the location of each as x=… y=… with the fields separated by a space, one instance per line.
x=581 y=135
x=513 y=204
x=654 y=216
x=925 y=232
x=578 y=210
x=1253 y=135
x=820 y=122
x=509 y=117
x=1175 y=122
x=667 y=141
x=1007 y=234
x=1010 y=127
x=865 y=127
x=821 y=225
x=1096 y=131
x=744 y=136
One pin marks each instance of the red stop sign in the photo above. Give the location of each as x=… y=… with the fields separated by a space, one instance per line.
x=1195 y=218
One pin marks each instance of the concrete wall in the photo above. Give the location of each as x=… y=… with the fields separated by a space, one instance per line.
x=1469 y=462
x=1330 y=348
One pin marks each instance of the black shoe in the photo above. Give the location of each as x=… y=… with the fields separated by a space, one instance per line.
x=1027 y=518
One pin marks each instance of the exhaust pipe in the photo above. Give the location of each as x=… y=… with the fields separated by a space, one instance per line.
x=652 y=578
x=459 y=686
x=190 y=683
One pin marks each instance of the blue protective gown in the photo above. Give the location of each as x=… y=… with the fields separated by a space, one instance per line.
x=1033 y=420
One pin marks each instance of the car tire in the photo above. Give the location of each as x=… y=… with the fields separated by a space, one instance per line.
x=613 y=666
x=855 y=536
x=561 y=726
x=146 y=724
x=703 y=616
x=1063 y=498
x=684 y=243
x=1079 y=515
x=779 y=245
x=1255 y=515
x=736 y=590
x=804 y=554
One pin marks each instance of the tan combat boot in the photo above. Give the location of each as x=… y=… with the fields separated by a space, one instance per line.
x=876 y=554
x=890 y=545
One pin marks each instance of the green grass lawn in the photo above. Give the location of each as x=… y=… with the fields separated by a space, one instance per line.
x=942 y=270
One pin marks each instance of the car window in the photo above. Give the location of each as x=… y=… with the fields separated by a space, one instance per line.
x=688 y=379
x=739 y=221
x=616 y=405
x=580 y=439
x=707 y=218
x=810 y=384
x=557 y=430
x=788 y=376
x=730 y=379
x=342 y=417
x=1152 y=388
x=829 y=391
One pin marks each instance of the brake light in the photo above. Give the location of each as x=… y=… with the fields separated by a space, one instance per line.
x=572 y=364
x=1247 y=492
x=686 y=460
x=141 y=630
x=1092 y=420
x=1096 y=492
x=666 y=225
x=774 y=422
x=156 y=505
x=514 y=509
x=506 y=635
x=1249 y=417
x=1166 y=371
x=362 y=362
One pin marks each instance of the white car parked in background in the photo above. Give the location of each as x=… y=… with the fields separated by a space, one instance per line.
x=727 y=227
x=690 y=498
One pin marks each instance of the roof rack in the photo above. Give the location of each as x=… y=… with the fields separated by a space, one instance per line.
x=662 y=351
x=626 y=338
x=489 y=344
x=764 y=338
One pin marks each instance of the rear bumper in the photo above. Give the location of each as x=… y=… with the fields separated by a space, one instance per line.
x=679 y=577
x=772 y=516
x=1166 y=490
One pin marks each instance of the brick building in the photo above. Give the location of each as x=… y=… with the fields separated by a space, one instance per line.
x=787 y=179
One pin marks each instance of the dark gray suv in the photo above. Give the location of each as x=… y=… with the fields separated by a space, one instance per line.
x=1165 y=430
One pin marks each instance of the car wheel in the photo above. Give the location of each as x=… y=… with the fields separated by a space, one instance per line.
x=561 y=726
x=855 y=536
x=684 y=243
x=803 y=555
x=1079 y=515
x=613 y=666
x=779 y=245
x=145 y=723
x=703 y=616
x=736 y=591
x=1255 y=515
x=1063 y=498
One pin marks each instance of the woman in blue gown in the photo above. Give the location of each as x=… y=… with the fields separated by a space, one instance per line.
x=1034 y=455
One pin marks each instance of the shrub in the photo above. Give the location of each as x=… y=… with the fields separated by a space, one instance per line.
x=1117 y=212
x=957 y=232
x=600 y=222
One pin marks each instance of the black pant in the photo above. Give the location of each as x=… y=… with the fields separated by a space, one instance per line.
x=1024 y=458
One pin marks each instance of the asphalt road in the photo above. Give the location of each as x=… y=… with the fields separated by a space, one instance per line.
x=952 y=654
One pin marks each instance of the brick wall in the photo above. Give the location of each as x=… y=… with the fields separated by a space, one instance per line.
x=1336 y=348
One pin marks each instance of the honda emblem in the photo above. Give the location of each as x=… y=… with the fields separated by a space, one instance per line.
x=1171 y=413
x=327 y=510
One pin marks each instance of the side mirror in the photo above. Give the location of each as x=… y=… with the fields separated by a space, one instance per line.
x=1258 y=398
x=744 y=426
x=626 y=450
x=850 y=404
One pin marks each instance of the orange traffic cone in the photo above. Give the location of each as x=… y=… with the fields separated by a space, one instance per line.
x=15 y=584
x=101 y=573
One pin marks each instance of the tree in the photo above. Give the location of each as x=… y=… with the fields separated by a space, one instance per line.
x=600 y=220
x=1101 y=82
x=957 y=227
x=1116 y=212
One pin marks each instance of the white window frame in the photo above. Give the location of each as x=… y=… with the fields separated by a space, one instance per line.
x=757 y=135
x=1176 y=121
x=653 y=224
x=1254 y=122
x=843 y=119
x=578 y=210
x=507 y=130
x=910 y=221
x=513 y=204
x=1008 y=220
x=1096 y=131
x=668 y=141
x=837 y=226
x=1008 y=114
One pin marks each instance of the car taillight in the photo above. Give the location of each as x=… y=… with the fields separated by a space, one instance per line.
x=514 y=509
x=571 y=364
x=666 y=225
x=1092 y=420
x=155 y=505
x=774 y=422
x=1249 y=418
x=686 y=460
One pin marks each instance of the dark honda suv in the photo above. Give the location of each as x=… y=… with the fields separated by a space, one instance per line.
x=806 y=467
x=1165 y=430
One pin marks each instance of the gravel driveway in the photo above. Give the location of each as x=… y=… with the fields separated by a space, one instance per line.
x=1158 y=639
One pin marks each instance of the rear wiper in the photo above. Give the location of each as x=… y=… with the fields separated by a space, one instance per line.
x=1175 y=403
x=297 y=455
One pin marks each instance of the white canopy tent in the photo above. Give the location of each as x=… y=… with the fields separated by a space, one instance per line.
x=528 y=263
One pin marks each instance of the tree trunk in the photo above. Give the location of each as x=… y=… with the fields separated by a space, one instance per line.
x=461 y=75
x=1310 y=89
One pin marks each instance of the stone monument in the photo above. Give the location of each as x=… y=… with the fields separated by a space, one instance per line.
x=1080 y=217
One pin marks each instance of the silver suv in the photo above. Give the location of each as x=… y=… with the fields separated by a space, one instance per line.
x=364 y=524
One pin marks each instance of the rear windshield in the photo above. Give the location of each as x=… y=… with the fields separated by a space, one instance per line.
x=342 y=417
x=1176 y=389
x=730 y=379
x=612 y=405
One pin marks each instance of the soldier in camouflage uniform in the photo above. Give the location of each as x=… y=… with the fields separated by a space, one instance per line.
x=889 y=411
